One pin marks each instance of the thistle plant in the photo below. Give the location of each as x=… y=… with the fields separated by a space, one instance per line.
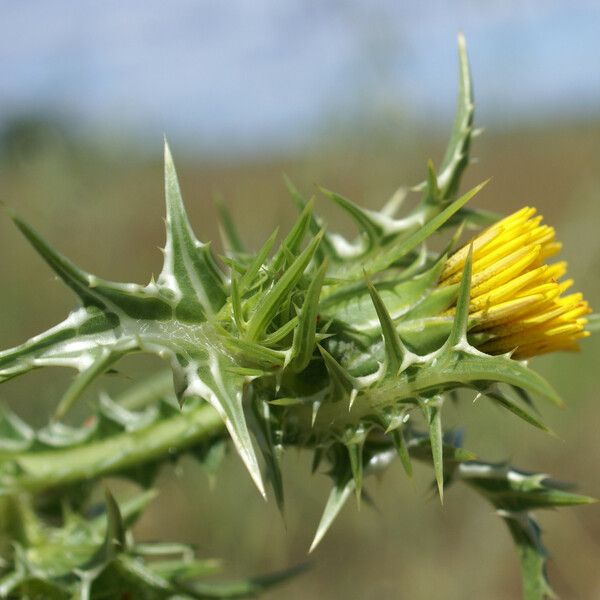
x=347 y=348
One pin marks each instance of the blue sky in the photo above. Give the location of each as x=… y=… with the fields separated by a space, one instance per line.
x=250 y=74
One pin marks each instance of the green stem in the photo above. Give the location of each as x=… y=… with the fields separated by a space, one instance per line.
x=55 y=468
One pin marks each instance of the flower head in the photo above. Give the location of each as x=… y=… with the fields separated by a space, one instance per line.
x=517 y=299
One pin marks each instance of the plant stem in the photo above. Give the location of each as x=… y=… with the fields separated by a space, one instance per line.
x=55 y=468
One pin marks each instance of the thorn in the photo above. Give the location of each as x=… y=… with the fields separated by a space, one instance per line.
x=353 y=395
x=316 y=405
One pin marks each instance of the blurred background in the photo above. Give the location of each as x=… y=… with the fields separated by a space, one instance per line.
x=353 y=95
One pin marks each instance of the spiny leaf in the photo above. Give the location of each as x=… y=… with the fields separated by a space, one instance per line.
x=458 y=333
x=514 y=490
x=189 y=269
x=15 y=434
x=504 y=369
x=361 y=217
x=337 y=498
x=352 y=303
x=129 y=510
x=354 y=440
x=100 y=364
x=118 y=298
x=433 y=414
x=402 y=450
x=419 y=446
x=223 y=390
x=272 y=300
x=432 y=190
x=326 y=248
x=342 y=382
x=392 y=206
x=527 y=536
x=304 y=335
x=72 y=343
x=72 y=275
x=236 y=304
x=281 y=334
x=257 y=354
x=386 y=257
x=293 y=240
x=124 y=419
x=450 y=369
x=114 y=539
x=456 y=157
x=263 y=431
x=514 y=493
x=394 y=348
x=249 y=277
x=508 y=404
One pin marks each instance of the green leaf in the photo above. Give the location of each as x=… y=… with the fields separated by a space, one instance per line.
x=273 y=299
x=458 y=333
x=456 y=157
x=71 y=274
x=432 y=411
x=117 y=298
x=505 y=370
x=223 y=389
x=432 y=190
x=263 y=432
x=15 y=434
x=514 y=493
x=124 y=574
x=118 y=517
x=402 y=296
x=73 y=343
x=340 y=492
x=388 y=256
x=508 y=404
x=114 y=538
x=100 y=365
x=326 y=248
x=354 y=440
x=249 y=278
x=402 y=450
x=394 y=348
x=449 y=369
x=363 y=219
x=419 y=446
x=342 y=383
x=293 y=240
x=257 y=354
x=304 y=343
x=514 y=490
x=527 y=536
x=236 y=304
x=189 y=270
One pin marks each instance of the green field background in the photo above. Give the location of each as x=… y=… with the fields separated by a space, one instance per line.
x=103 y=207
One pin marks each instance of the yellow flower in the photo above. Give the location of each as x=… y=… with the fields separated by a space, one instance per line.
x=516 y=298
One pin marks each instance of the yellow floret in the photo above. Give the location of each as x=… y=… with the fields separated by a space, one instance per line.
x=515 y=297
